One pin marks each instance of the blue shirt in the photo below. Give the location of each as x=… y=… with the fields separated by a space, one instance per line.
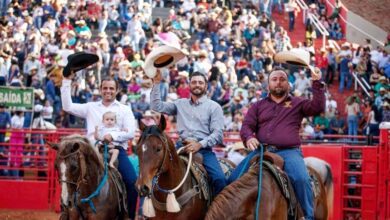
x=201 y=121
x=5 y=119
x=344 y=65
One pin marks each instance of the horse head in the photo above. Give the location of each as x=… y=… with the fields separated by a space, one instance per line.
x=154 y=150
x=74 y=155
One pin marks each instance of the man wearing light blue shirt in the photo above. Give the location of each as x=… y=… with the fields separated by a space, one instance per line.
x=199 y=124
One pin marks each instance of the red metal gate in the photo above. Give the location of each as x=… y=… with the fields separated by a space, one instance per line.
x=361 y=177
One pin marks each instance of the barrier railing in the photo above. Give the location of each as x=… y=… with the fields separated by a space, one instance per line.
x=342 y=7
x=359 y=81
x=38 y=187
x=314 y=20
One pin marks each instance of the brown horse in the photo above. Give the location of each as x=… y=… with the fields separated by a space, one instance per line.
x=159 y=161
x=80 y=171
x=238 y=200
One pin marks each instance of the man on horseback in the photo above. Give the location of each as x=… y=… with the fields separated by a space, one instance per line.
x=275 y=122
x=93 y=112
x=199 y=123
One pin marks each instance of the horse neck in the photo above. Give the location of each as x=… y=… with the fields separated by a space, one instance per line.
x=93 y=175
x=174 y=175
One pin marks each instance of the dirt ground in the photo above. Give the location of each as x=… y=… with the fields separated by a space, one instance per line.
x=6 y=214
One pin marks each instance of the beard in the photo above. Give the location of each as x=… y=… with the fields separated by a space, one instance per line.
x=278 y=92
x=197 y=91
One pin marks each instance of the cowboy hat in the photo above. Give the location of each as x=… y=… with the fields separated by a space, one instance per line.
x=148 y=113
x=161 y=57
x=102 y=35
x=221 y=67
x=39 y=93
x=125 y=63
x=236 y=146
x=170 y=39
x=346 y=44
x=184 y=74
x=80 y=22
x=295 y=56
x=79 y=61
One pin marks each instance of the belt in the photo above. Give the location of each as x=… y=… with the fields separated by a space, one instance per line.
x=273 y=148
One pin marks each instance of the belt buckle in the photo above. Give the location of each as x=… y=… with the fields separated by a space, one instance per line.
x=271 y=148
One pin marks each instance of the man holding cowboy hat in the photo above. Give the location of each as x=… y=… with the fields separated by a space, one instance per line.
x=198 y=118
x=93 y=112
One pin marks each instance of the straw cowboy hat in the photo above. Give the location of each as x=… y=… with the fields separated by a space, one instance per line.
x=184 y=74
x=346 y=44
x=236 y=146
x=164 y=55
x=102 y=35
x=80 y=22
x=221 y=67
x=79 y=61
x=295 y=56
x=39 y=93
x=148 y=113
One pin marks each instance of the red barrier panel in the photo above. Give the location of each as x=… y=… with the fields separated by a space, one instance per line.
x=26 y=194
x=333 y=155
x=361 y=177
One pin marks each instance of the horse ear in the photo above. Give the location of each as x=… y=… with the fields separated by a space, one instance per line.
x=142 y=126
x=53 y=145
x=163 y=124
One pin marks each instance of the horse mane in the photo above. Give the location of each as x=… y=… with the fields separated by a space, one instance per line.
x=156 y=131
x=224 y=205
x=72 y=143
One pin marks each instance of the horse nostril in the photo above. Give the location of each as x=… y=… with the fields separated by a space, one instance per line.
x=145 y=190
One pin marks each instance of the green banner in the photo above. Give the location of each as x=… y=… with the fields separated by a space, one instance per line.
x=17 y=97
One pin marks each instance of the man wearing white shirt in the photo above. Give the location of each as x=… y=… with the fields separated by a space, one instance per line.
x=93 y=112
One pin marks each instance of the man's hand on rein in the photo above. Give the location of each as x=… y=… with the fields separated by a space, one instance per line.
x=192 y=146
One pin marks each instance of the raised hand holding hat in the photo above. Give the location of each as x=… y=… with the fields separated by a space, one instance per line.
x=298 y=57
x=79 y=61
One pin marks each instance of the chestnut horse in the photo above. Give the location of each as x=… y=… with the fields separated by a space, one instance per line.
x=80 y=172
x=161 y=168
x=238 y=200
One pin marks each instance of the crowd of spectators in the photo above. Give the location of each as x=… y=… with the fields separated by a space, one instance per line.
x=232 y=44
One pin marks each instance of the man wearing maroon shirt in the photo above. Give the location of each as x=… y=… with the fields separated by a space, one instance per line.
x=275 y=122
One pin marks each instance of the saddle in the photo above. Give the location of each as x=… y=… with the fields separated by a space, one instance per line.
x=274 y=164
x=200 y=175
x=121 y=190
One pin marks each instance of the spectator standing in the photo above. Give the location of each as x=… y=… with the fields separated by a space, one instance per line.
x=16 y=142
x=5 y=123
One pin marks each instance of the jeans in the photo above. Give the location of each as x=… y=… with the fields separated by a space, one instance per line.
x=214 y=170
x=291 y=19
x=3 y=150
x=102 y=25
x=352 y=124
x=296 y=170
x=129 y=177
x=343 y=76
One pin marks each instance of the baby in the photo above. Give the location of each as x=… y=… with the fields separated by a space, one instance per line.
x=109 y=127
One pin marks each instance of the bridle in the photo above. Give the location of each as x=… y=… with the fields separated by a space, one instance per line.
x=167 y=152
x=164 y=140
x=83 y=168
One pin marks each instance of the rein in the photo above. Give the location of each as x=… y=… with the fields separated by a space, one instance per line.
x=260 y=180
x=102 y=182
x=172 y=204
x=155 y=178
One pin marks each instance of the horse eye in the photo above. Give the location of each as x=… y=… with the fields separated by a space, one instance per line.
x=159 y=148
